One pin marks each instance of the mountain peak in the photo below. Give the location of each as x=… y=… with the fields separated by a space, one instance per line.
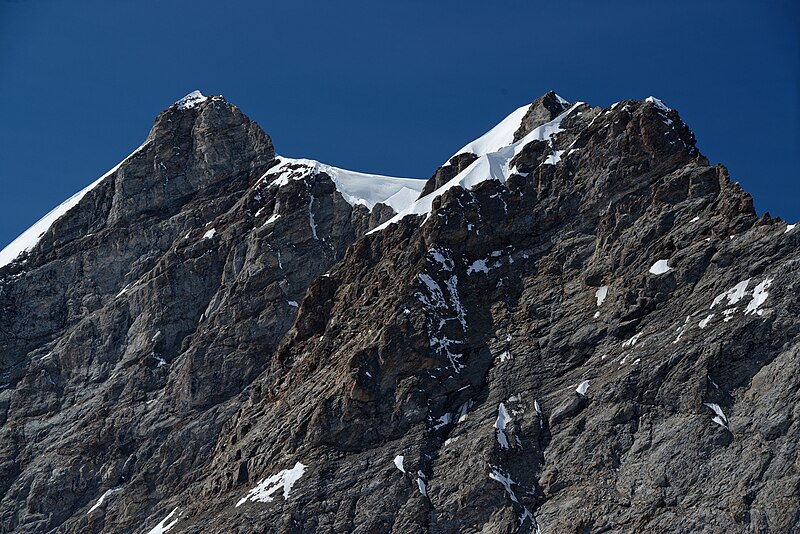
x=658 y=103
x=209 y=325
x=191 y=100
x=517 y=125
x=542 y=110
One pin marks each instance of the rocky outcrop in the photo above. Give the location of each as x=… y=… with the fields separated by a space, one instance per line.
x=542 y=110
x=605 y=339
x=158 y=298
x=448 y=171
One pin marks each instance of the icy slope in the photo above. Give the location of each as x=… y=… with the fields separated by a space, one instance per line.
x=490 y=165
x=28 y=239
x=501 y=135
x=355 y=187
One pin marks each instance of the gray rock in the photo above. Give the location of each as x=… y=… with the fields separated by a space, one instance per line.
x=169 y=367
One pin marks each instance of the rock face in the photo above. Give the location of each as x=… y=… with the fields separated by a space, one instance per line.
x=598 y=335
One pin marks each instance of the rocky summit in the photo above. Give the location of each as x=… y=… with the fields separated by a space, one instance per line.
x=577 y=324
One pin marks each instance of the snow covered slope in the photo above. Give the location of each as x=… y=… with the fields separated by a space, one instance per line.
x=501 y=135
x=28 y=239
x=191 y=100
x=355 y=187
x=491 y=165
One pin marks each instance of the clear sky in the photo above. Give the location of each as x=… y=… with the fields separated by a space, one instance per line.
x=386 y=87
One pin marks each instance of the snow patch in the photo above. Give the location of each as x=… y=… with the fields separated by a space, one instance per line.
x=553 y=158
x=719 y=418
x=443 y=420
x=657 y=103
x=266 y=488
x=464 y=410
x=760 y=295
x=498 y=475
x=356 y=188
x=312 y=223
x=502 y=134
x=478 y=266
x=423 y=489
x=705 y=321
x=660 y=267
x=582 y=388
x=211 y=233
x=789 y=228
x=734 y=294
x=498 y=137
x=442 y=259
x=601 y=294
x=632 y=341
x=500 y=424
x=102 y=499
x=439 y=311
x=398 y=462
x=164 y=525
x=191 y=100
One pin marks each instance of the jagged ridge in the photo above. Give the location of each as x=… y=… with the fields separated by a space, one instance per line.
x=603 y=336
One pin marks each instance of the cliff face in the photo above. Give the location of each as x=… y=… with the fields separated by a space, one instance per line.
x=575 y=325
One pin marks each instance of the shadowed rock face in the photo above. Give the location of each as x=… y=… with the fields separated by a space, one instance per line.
x=211 y=338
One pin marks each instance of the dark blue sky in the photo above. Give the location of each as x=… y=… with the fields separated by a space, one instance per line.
x=393 y=88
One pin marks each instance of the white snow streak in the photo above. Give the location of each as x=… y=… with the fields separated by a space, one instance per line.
x=734 y=294
x=632 y=341
x=601 y=294
x=553 y=158
x=398 y=462
x=496 y=474
x=423 y=489
x=266 y=488
x=30 y=237
x=311 y=220
x=500 y=424
x=163 y=526
x=760 y=295
x=720 y=418
x=102 y=499
x=489 y=166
